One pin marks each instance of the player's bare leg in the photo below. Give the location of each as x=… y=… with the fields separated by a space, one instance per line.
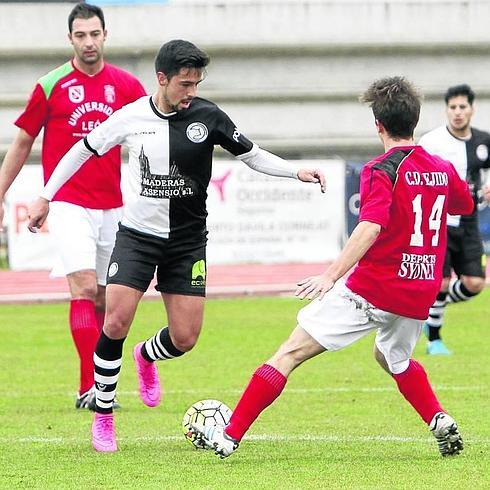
x=122 y=302
x=185 y=314
x=266 y=384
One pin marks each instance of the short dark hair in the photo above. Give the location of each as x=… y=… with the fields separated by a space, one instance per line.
x=396 y=105
x=85 y=11
x=463 y=89
x=177 y=54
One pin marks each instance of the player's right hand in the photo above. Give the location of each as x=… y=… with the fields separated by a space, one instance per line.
x=314 y=286
x=37 y=213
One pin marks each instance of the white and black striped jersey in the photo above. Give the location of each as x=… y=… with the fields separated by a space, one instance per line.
x=170 y=157
x=469 y=157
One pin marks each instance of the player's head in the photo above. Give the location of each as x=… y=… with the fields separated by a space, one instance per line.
x=179 y=66
x=459 y=107
x=87 y=33
x=396 y=106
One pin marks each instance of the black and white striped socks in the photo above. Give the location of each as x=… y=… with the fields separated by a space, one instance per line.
x=160 y=347
x=458 y=292
x=107 y=364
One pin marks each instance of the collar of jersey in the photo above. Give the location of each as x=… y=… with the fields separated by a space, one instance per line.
x=160 y=114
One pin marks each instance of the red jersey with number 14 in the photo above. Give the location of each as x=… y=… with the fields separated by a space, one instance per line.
x=408 y=192
x=68 y=104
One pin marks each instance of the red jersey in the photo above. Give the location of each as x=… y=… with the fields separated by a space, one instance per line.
x=68 y=104
x=408 y=192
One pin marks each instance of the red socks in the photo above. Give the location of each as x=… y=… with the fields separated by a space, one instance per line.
x=85 y=333
x=415 y=387
x=265 y=386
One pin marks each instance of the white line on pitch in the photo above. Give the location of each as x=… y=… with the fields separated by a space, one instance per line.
x=293 y=391
x=340 y=389
x=257 y=438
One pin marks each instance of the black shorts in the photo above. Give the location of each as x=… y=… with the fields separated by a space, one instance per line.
x=180 y=263
x=464 y=253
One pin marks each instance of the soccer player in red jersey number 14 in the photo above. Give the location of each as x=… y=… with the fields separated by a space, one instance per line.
x=399 y=247
x=68 y=103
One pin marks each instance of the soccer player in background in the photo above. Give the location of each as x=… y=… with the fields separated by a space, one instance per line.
x=68 y=103
x=399 y=246
x=171 y=137
x=468 y=149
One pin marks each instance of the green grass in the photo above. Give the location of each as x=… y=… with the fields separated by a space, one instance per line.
x=362 y=432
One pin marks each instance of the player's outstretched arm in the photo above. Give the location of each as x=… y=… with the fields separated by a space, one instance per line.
x=265 y=162
x=360 y=241
x=74 y=158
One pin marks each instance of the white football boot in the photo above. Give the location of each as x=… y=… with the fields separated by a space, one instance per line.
x=215 y=438
x=447 y=435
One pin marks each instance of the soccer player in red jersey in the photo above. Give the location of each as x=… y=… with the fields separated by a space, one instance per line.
x=68 y=103
x=399 y=247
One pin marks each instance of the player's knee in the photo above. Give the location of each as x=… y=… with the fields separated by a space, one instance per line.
x=116 y=327
x=474 y=284
x=184 y=341
x=86 y=291
x=398 y=367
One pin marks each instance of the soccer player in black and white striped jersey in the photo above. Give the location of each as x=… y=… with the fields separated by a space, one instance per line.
x=468 y=149
x=170 y=136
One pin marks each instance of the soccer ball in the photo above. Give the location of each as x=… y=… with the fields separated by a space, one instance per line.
x=204 y=412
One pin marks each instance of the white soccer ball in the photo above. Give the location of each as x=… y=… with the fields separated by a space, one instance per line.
x=204 y=412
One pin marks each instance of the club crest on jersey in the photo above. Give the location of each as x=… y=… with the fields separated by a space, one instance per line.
x=76 y=93
x=110 y=94
x=482 y=152
x=197 y=132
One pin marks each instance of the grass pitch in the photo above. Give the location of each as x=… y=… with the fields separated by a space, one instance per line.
x=340 y=423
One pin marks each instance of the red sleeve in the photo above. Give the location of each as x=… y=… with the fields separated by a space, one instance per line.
x=376 y=191
x=35 y=114
x=460 y=200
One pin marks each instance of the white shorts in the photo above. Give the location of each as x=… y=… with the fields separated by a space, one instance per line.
x=343 y=317
x=84 y=238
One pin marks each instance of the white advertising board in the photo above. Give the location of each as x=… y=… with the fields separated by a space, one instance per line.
x=253 y=218
x=27 y=250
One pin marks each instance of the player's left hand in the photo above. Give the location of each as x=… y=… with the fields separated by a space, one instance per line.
x=312 y=175
x=37 y=213
x=313 y=286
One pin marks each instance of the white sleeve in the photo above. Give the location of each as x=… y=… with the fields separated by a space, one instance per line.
x=267 y=163
x=110 y=133
x=74 y=158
